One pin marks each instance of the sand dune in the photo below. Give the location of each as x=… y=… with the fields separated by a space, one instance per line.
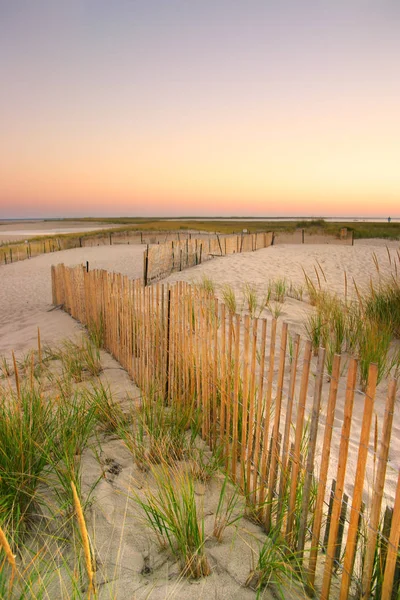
x=25 y=304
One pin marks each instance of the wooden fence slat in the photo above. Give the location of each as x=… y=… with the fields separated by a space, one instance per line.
x=245 y=397
x=260 y=407
x=378 y=490
x=341 y=472
x=288 y=425
x=250 y=437
x=230 y=390
x=215 y=372
x=312 y=442
x=348 y=561
x=267 y=417
x=325 y=455
x=275 y=434
x=392 y=552
x=301 y=406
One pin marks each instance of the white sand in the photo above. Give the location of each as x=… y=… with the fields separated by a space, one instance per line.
x=25 y=304
x=25 y=293
x=288 y=261
x=122 y=542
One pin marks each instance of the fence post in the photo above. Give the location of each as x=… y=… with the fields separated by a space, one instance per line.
x=328 y=520
x=146 y=266
x=302 y=236
x=219 y=244
x=383 y=547
x=166 y=392
x=342 y=521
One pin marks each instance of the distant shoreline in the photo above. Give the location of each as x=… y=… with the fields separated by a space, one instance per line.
x=233 y=219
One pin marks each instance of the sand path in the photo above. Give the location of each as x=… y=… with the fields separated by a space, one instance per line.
x=25 y=293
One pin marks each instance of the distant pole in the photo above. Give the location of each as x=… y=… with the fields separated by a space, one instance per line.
x=87 y=266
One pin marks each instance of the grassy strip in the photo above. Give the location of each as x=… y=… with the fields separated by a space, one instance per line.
x=361 y=230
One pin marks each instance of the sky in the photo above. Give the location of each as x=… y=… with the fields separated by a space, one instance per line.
x=199 y=107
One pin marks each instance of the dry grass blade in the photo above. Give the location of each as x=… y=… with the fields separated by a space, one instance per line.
x=16 y=373
x=376 y=262
x=318 y=279
x=39 y=347
x=9 y=555
x=322 y=271
x=360 y=300
x=85 y=538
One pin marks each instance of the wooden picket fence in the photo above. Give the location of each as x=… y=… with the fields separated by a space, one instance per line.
x=164 y=259
x=12 y=252
x=260 y=394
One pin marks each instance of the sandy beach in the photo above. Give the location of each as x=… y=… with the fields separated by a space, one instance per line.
x=25 y=291
x=25 y=305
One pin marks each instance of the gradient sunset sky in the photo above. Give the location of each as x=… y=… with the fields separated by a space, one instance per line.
x=199 y=107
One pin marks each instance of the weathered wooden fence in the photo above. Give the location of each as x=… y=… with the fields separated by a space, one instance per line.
x=15 y=251
x=176 y=249
x=160 y=261
x=261 y=400
x=303 y=236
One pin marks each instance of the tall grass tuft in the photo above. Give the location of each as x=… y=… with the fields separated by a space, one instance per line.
x=79 y=359
x=96 y=331
x=383 y=306
x=280 y=289
x=229 y=298
x=250 y=299
x=276 y=568
x=227 y=509
x=172 y=514
x=316 y=330
x=5 y=369
x=107 y=412
x=207 y=284
x=373 y=346
x=75 y=420
x=157 y=433
x=26 y=429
